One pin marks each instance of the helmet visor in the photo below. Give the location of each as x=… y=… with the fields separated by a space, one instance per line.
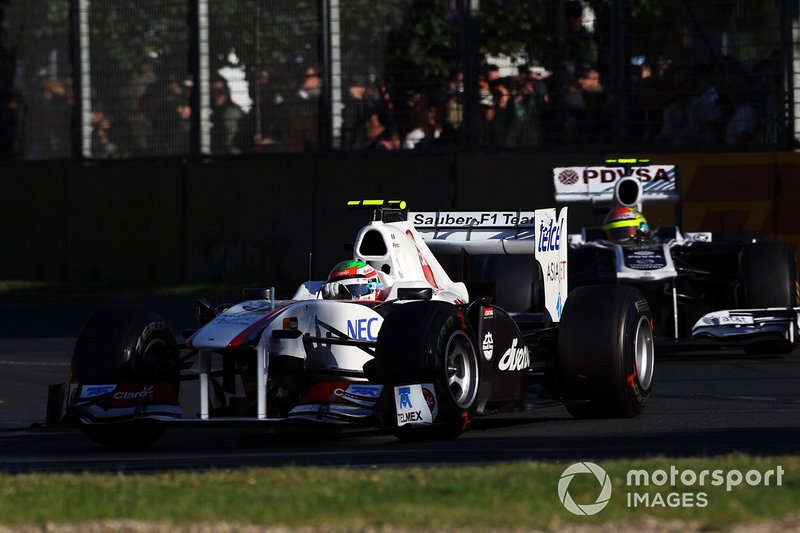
x=622 y=233
x=359 y=290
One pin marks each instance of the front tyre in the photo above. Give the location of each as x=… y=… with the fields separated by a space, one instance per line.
x=125 y=344
x=606 y=352
x=431 y=342
x=768 y=272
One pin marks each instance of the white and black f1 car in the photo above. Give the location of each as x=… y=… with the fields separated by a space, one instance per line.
x=421 y=363
x=735 y=289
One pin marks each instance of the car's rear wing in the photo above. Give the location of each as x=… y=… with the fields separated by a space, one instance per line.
x=490 y=232
x=541 y=233
x=599 y=184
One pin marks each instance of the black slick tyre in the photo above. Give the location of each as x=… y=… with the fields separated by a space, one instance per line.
x=768 y=272
x=120 y=344
x=431 y=342
x=606 y=352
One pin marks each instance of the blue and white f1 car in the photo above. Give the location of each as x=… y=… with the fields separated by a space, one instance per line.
x=421 y=363
x=703 y=290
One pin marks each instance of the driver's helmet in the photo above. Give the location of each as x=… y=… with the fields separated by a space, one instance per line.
x=623 y=224
x=353 y=280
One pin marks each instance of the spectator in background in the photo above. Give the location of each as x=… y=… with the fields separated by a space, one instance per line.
x=454 y=101
x=303 y=112
x=158 y=105
x=183 y=129
x=581 y=114
x=411 y=114
x=226 y=117
x=571 y=113
x=383 y=99
x=377 y=134
x=580 y=46
x=103 y=147
x=357 y=103
x=577 y=47
x=48 y=122
x=260 y=129
x=597 y=118
x=530 y=102
x=428 y=130
x=489 y=132
x=506 y=122
x=490 y=73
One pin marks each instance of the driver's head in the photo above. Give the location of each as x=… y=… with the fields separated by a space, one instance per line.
x=623 y=225
x=352 y=280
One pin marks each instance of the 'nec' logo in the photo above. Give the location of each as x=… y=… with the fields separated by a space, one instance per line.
x=362 y=329
x=405 y=401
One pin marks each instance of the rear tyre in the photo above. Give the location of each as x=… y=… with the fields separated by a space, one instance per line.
x=606 y=352
x=431 y=342
x=768 y=273
x=125 y=344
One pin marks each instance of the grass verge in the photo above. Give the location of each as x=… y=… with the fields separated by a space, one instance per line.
x=499 y=497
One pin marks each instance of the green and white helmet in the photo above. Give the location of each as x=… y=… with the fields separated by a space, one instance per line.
x=353 y=280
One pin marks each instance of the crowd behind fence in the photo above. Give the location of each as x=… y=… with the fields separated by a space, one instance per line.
x=121 y=79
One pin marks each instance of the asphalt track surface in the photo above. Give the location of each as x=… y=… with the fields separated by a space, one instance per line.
x=704 y=403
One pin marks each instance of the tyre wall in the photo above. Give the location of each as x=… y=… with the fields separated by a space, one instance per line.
x=269 y=221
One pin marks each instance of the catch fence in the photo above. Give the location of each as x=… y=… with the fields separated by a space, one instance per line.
x=119 y=79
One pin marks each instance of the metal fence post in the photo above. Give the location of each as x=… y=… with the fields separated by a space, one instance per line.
x=620 y=71
x=335 y=67
x=324 y=117
x=200 y=65
x=791 y=70
x=82 y=75
x=470 y=58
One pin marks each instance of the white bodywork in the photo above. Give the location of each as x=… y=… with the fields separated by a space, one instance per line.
x=404 y=257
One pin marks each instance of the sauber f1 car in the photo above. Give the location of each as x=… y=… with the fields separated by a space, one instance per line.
x=421 y=362
x=738 y=290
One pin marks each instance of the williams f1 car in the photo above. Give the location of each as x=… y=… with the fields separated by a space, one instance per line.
x=420 y=362
x=703 y=290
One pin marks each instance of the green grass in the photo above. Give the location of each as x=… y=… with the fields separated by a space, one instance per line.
x=507 y=496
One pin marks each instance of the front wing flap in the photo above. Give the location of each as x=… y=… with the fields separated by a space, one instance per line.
x=748 y=324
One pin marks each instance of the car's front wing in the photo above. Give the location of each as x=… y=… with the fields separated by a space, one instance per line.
x=749 y=325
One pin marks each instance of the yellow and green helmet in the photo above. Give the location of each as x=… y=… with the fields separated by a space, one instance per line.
x=624 y=224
